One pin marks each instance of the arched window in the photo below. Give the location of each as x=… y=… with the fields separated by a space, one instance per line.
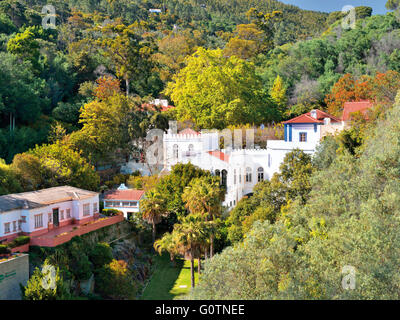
x=224 y=178
x=260 y=172
x=191 y=147
x=248 y=174
x=176 y=151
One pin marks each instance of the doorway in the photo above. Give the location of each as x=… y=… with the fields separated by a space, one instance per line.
x=56 y=221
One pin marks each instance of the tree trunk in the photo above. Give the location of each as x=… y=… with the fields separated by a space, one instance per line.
x=192 y=270
x=199 y=266
x=154 y=232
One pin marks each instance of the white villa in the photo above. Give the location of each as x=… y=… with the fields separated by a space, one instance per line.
x=241 y=169
x=36 y=213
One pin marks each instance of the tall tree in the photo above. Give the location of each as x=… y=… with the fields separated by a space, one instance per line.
x=237 y=96
x=203 y=197
x=153 y=209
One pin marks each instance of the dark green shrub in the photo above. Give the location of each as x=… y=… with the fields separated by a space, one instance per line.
x=101 y=254
x=4 y=249
x=21 y=240
x=111 y=212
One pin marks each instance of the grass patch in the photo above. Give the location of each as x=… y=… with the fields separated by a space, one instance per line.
x=167 y=281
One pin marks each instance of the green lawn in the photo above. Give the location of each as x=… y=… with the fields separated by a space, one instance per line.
x=168 y=282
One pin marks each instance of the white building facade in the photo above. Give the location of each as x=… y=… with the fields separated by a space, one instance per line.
x=241 y=169
x=37 y=212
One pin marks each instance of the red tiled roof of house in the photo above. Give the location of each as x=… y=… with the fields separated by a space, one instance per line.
x=360 y=106
x=130 y=194
x=220 y=155
x=307 y=118
x=189 y=131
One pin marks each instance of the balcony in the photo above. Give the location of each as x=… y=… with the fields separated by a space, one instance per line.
x=64 y=234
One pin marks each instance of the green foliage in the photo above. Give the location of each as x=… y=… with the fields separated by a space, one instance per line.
x=54 y=165
x=9 y=182
x=270 y=197
x=111 y=212
x=19 y=241
x=114 y=280
x=4 y=249
x=237 y=96
x=35 y=290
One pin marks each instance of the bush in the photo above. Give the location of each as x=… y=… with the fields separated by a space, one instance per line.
x=21 y=240
x=111 y=212
x=115 y=281
x=4 y=249
x=101 y=255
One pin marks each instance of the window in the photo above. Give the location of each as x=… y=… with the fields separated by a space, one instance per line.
x=86 y=209
x=23 y=219
x=303 y=137
x=62 y=214
x=50 y=218
x=95 y=207
x=19 y=225
x=38 y=221
x=14 y=226
x=269 y=161
x=7 y=227
x=191 y=148
x=248 y=175
x=224 y=178
x=176 y=151
x=68 y=213
x=125 y=204
x=234 y=176
x=260 y=172
x=133 y=204
x=109 y=203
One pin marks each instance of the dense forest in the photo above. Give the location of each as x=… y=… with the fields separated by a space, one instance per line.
x=47 y=75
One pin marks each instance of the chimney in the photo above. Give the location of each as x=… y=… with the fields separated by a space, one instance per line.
x=314 y=114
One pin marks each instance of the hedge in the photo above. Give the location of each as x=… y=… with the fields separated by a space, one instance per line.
x=4 y=249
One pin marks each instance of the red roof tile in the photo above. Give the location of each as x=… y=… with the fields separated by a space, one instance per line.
x=360 y=106
x=307 y=118
x=130 y=194
x=189 y=131
x=220 y=155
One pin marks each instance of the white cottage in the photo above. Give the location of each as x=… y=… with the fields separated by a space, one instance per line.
x=38 y=212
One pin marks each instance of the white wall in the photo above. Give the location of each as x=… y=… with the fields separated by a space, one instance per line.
x=76 y=207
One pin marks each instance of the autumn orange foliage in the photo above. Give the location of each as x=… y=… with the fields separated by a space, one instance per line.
x=381 y=89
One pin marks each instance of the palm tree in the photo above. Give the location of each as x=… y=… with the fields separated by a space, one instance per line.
x=154 y=209
x=167 y=243
x=203 y=197
x=190 y=235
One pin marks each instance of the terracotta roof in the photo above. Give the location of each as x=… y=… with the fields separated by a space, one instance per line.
x=307 y=118
x=189 y=131
x=130 y=194
x=220 y=155
x=41 y=198
x=360 y=106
